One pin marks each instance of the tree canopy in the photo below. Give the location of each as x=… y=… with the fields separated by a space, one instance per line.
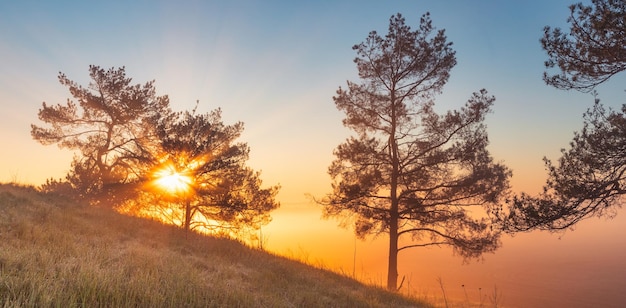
x=589 y=178
x=217 y=192
x=593 y=51
x=128 y=139
x=409 y=172
x=111 y=124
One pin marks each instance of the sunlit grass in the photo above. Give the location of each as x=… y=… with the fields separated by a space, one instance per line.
x=55 y=253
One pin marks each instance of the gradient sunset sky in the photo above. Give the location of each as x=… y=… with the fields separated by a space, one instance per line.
x=275 y=66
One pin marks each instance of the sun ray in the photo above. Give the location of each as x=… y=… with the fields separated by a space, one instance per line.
x=173 y=181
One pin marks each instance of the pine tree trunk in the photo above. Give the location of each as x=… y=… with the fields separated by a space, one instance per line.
x=187 y=224
x=392 y=270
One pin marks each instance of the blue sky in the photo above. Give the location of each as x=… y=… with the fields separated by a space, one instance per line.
x=275 y=66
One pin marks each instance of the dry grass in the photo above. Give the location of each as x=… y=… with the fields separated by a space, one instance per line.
x=55 y=253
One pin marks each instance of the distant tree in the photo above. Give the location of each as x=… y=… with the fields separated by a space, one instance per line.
x=410 y=172
x=111 y=125
x=202 y=171
x=589 y=179
x=594 y=49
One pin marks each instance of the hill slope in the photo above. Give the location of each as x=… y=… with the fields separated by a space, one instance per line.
x=56 y=253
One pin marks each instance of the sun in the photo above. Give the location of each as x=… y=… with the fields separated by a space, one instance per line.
x=173 y=181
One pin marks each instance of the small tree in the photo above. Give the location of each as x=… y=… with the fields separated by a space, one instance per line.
x=203 y=171
x=129 y=140
x=410 y=172
x=589 y=179
x=111 y=125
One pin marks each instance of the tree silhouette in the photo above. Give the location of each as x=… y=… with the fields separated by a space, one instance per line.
x=111 y=124
x=410 y=172
x=589 y=179
x=219 y=192
x=593 y=51
x=130 y=140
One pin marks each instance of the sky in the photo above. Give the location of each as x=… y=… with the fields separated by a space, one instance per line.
x=275 y=65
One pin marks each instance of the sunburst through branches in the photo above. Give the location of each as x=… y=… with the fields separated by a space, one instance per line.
x=173 y=181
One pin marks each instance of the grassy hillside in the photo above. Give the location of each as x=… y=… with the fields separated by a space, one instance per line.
x=56 y=253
